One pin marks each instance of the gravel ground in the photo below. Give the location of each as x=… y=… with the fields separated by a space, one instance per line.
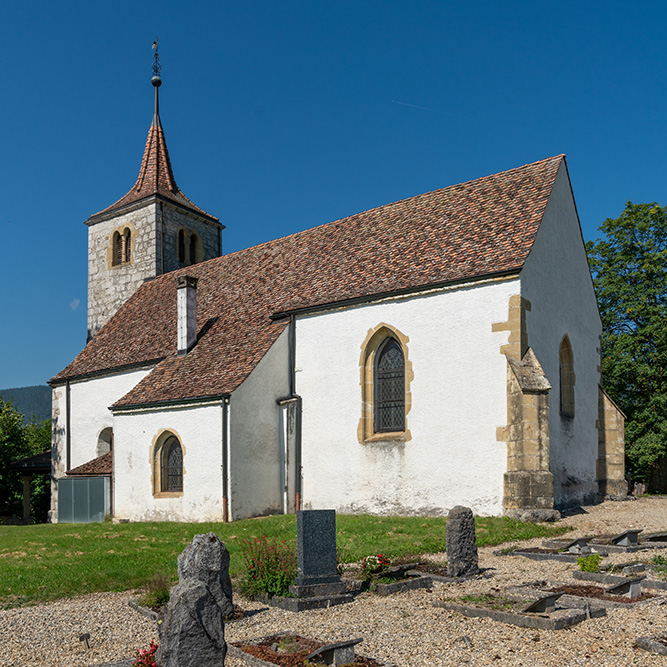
x=403 y=629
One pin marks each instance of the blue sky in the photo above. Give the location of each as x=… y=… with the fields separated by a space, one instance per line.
x=283 y=115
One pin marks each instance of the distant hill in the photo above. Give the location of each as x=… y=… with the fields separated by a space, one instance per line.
x=32 y=402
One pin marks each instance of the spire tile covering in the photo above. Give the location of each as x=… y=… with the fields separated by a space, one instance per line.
x=155 y=176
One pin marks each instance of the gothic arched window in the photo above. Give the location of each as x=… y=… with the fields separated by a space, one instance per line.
x=117 y=249
x=193 y=249
x=181 y=246
x=171 y=464
x=389 y=388
x=566 y=378
x=127 y=239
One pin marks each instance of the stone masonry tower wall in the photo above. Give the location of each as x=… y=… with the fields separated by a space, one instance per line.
x=152 y=230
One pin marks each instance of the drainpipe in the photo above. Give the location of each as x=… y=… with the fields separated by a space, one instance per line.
x=297 y=416
x=68 y=423
x=225 y=455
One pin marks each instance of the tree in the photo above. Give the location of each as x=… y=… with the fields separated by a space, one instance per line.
x=18 y=441
x=630 y=273
x=13 y=446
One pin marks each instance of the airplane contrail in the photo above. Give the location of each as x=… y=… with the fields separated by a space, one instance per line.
x=416 y=106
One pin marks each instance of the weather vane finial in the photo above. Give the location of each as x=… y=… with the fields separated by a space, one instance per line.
x=156 y=80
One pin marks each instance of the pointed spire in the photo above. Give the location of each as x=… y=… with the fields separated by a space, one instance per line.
x=155 y=174
x=157 y=82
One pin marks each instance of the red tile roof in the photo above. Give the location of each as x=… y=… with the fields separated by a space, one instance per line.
x=155 y=176
x=462 y=232
x=102 y=465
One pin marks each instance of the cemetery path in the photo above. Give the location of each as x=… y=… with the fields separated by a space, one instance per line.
x=404 y=629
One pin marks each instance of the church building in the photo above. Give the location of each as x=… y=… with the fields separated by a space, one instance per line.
x=436 y=351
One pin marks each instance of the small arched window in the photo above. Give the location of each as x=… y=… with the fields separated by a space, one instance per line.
x=127 y=239
x=105 y=441
x=181 y=246
x=117 y=249
x=566 y=378
x=172 y=465
x=389 y=386
x=193 y=249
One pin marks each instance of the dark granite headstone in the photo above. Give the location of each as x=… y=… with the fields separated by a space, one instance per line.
x=316 y=547
x=462 y=559
x=317 y=576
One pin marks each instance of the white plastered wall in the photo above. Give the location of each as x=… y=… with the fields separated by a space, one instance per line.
x=458 y=401
x=89 y=410
x=556 y=280
x=254 y=453
x=199 y=429
x=89 y=416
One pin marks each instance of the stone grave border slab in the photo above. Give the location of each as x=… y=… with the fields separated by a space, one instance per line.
x=604 y=578
x=576 y=601
x=236 y=652
x=422 y=581
x=565 y=618
x=563 y=557
x=650 y=644
x=304 y=604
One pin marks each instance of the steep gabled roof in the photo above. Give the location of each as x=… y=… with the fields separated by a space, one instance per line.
x=155 y=174
x=463 y=232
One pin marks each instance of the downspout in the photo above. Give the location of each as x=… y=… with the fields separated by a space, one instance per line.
x=68 y=421
x=225 y=449
x=297 y=416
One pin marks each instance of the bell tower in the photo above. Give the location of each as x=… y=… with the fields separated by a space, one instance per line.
x=151 y=230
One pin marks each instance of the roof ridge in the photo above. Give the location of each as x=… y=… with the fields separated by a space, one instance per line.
x=394 y=203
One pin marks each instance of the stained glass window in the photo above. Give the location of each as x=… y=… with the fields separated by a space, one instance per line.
x=172 y=466
x=389 y=404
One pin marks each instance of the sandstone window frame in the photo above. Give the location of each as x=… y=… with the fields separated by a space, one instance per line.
x=167 y=451
x=120 y=246
x=566 y=378
x=376 y=341
x=189 y=247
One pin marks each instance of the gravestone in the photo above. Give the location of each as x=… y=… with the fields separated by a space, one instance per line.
x=316 y=554
x=192 y=633
x=462 y=559
x=317 y=583
x=341 y=653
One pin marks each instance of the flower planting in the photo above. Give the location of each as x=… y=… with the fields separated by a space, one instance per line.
x=373 y=565
x=146 y=657
x=270 y=567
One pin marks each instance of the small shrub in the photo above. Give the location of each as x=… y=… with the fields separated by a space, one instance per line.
x=156 y=592
x=270 y=567
x=373 y=565
x=589 y=563
x=146 y=657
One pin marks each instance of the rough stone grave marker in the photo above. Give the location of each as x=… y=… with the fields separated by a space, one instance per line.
x=192 y=632
x=462 y=558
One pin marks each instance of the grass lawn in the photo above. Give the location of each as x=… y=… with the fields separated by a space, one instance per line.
x=48 y=561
